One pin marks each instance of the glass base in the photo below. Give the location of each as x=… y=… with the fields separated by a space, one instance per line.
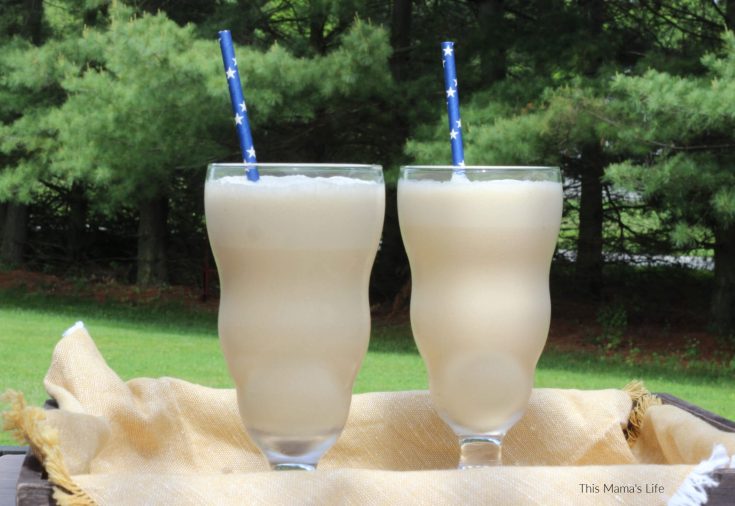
x=293 y=467
x=286 y=453
x=480 y=451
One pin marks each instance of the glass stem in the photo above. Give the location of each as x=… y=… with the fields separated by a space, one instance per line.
x=480 y=451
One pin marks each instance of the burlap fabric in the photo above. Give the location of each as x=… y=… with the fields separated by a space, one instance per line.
x=167 y=441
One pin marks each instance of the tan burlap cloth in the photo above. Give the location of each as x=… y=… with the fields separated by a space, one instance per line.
x=167 y=441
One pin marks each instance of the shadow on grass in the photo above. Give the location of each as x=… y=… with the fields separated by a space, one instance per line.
x=666 y=367
x=161 y=315
x=387 y=337
x=392 y=338
x=397 y=338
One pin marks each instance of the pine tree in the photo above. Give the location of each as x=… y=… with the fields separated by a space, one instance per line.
x=560 y=126
x=682 y=129
x=22 y=19
x=140 y=100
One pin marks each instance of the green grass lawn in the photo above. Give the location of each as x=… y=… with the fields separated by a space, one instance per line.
x=171 y=341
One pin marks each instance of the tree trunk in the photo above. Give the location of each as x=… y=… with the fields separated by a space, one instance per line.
x=15 y=233
x=3 y=209
x=317 y=21
x=596 y=15
x=400 y=38
x=400 y=41
x=588 y=268
x=34 y=21
x=492 y=29
x=76 y=226
x=730 y=14
x=723 y=300
x=152 y=241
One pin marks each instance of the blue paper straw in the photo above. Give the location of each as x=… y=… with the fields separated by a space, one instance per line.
x=451 y=89
x=239 y=109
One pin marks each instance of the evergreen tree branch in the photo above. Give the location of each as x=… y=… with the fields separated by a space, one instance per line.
x=719 y=10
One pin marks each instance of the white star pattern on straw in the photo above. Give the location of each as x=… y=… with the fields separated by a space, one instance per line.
x=450 y=92
x=234 y=61
x=243 y=107
x=251 y=152
x=447 y=51
x=230 y=73
x=238 y=119
x=459 y=123
x=455 y=83
x=461 y=164
x=453 y=134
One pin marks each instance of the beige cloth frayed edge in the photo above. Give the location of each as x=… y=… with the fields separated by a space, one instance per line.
x=642 y=400
x=28 y=424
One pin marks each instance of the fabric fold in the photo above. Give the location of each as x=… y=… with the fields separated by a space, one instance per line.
x=168 y=441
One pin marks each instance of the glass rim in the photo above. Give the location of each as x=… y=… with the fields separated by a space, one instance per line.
x=477 y=168
x=285 y=165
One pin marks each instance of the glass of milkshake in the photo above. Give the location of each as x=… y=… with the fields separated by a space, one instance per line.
x=294 y=251
x=480 y=242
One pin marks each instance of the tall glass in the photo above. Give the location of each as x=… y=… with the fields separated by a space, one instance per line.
x=480 y=248
x=294 y=252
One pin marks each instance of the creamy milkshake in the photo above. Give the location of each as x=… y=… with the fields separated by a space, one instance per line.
x=480 y=248
x=294 y=252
